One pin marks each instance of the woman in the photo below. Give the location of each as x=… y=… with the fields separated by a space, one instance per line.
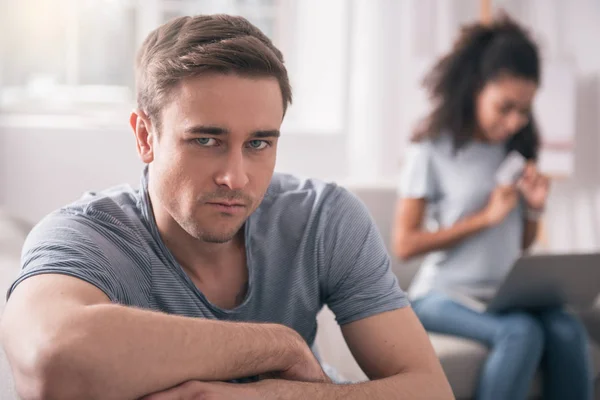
x=482 y=93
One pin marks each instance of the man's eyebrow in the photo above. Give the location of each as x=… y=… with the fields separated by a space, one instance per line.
x=274 y=133
x=218 y=131
x=207 y=130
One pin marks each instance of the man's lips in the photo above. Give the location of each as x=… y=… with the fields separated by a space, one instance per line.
x=227 y=203
x=227 y=206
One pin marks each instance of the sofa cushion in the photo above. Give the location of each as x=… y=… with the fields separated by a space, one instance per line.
x=9 y=268
x=12 y=236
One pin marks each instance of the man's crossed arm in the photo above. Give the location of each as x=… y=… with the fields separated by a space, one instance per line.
x=65 y=340
x=392 y=348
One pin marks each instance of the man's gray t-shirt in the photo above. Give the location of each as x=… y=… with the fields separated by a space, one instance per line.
x=456 y=185
x=308 y=244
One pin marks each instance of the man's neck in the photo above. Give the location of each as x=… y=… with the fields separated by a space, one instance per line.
x=218 y=270
x=197 y=255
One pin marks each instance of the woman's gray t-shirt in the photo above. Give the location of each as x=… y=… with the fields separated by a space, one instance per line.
x=457 y=184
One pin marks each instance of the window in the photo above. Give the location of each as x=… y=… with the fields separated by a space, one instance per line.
x=74 y=57
x=66 y=54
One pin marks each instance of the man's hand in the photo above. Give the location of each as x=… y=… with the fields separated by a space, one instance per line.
x=305 y=369
x=193 y=390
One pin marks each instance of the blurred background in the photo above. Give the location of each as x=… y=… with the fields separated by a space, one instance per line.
x=66 y=90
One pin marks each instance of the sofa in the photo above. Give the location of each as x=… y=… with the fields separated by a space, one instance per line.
x=12 y=236
x=460 y=358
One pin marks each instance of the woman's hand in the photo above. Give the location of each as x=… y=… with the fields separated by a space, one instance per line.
x=534 y=187
x=502 y=201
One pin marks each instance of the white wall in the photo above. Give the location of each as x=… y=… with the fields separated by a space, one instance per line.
x=574 y=210
x=41 y=169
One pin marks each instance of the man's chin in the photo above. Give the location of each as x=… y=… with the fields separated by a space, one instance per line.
x=215 y=230
x=217 y=238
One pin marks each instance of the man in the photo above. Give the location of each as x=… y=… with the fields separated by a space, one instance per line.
x=216 y=268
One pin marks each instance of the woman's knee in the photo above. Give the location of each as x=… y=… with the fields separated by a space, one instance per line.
x=561 y=327
x=524 y=328
x=431 y=308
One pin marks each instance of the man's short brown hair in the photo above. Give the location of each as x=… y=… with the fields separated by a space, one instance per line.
x=189 y=46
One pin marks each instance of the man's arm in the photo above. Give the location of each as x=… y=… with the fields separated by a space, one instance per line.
x=393 y=350
x=65 y=340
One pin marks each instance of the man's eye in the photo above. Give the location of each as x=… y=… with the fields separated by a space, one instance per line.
x=505 y=109
x=257 y=144
x=206 y=142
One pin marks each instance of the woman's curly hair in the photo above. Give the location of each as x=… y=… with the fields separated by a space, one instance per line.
x=481 y=54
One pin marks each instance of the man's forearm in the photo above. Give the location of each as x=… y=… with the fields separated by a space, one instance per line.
x=406 y=386
x=124 y=353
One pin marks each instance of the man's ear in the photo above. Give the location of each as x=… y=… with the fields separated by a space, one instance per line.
x=145 y=137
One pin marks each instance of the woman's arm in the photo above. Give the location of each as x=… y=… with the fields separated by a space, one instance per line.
x=410 y=239
x=535 y=188
x=530 y=232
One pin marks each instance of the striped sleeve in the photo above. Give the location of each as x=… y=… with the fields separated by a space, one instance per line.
x=359 y=281
x=68 y=245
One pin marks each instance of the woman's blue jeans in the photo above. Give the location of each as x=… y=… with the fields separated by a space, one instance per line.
x=519 y=343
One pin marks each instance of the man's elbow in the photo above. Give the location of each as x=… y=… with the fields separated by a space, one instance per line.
x=436 y=383
x=47 y=372
x=440 y=389
x=431 y=385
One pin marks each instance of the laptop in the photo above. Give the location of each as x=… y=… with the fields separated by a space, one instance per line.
x=550 y=280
